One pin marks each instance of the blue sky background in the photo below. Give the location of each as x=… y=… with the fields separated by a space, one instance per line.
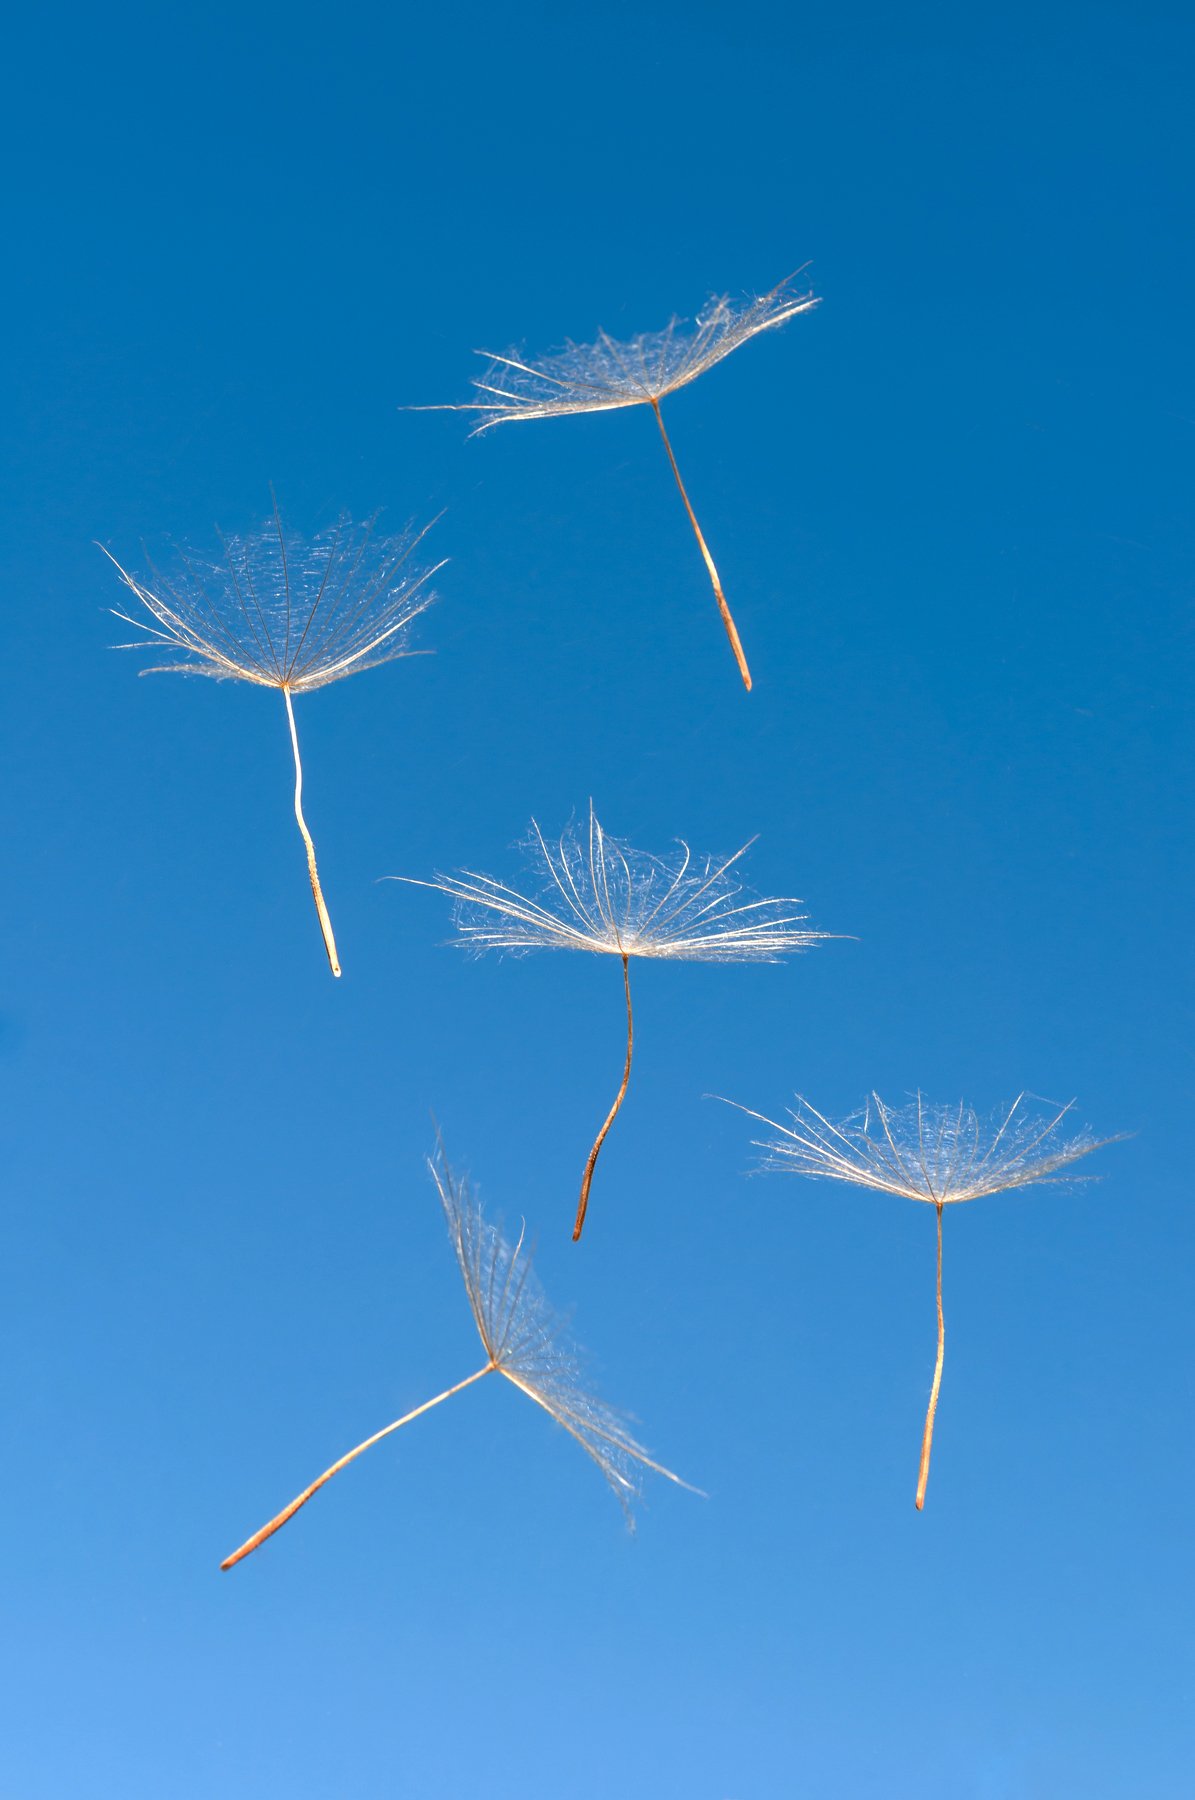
x=952 y=509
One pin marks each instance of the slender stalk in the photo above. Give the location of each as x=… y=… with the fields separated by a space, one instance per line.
x=719 y=596
x=613 y=1112
x=325 y=923
x=288 y=1512
x=928 y=1435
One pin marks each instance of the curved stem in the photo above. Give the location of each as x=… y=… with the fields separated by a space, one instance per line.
x=325 y=923
x=719 y=596
x=583 y=1207
x=288 y=1512
x=927 y=1439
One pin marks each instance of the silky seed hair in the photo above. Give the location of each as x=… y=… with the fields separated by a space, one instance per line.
x=282 y=611
x=528 y=1341
x=640 y=371
x=590 y=891
x=939 y=1154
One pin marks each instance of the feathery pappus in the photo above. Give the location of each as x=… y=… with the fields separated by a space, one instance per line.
x=525 y=1341
x=595 y=893
x=279 y=611
x=606 y=375
x=941 y=1155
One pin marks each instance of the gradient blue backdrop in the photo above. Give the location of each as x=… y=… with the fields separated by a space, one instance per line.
x=952 y=508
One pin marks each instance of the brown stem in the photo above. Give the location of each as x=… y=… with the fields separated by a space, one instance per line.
x=927 y=1439
x=325 y=923
x=719 y=596
x=288 y=1512
x=613 y=1112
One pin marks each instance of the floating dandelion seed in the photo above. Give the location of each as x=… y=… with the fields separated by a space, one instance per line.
x=599 y=894
x=604 y=376
x=284 y=613
x=523 y=1340
x=940 y=1154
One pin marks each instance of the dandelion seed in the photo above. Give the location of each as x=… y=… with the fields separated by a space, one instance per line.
x=524 y=1340
x=283 y=613
x=598 y=894
x=601 y=377
x=940 y=1154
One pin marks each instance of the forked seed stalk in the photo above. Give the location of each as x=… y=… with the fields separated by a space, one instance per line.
x=590 y=1165
x=927 y=1439
x=719 y=596
x=288 y=1512
x=325 y=922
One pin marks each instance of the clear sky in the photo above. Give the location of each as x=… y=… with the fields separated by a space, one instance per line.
x=952 y=508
